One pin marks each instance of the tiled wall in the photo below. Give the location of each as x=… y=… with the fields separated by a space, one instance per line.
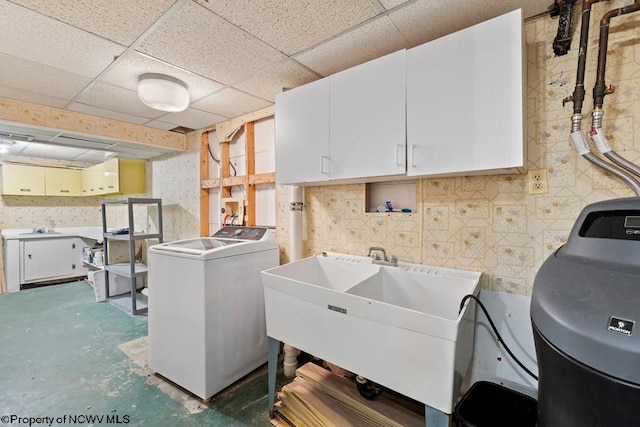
x=491 y=223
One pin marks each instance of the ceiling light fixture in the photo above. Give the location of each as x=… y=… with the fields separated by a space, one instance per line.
x=162 y=92
x=5 y=143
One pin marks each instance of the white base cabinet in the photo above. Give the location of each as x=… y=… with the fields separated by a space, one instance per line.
x=49 y=259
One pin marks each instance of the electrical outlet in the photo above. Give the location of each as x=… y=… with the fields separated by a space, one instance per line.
x=537 y=180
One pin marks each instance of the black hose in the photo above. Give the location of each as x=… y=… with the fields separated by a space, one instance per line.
x=495 y=330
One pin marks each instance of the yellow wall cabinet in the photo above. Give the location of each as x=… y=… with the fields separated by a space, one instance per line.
x=114 y=176
x=23 y=180
x=111 y=177
x=63 y=182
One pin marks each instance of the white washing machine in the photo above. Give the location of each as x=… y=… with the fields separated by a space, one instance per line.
x=206 y=307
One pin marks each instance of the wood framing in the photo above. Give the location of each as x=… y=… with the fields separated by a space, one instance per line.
x=227 y=181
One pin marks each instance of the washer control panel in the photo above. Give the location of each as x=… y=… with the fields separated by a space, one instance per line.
x=241 y=233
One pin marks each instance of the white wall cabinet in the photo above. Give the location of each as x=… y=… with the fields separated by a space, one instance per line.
x=465 y=100
x=367 y=119
x=452 y=106
x=51 y=259
x=302 y=134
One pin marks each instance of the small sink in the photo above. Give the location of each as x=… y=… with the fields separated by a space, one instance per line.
x=39 y=233
x=326 y=272
x=439 y=296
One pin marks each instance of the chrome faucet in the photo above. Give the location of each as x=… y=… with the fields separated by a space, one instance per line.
x=393 y=261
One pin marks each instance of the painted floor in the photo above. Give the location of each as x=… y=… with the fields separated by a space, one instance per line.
x=77 y=362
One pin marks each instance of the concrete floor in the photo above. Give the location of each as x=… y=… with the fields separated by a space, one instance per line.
x=61 y=353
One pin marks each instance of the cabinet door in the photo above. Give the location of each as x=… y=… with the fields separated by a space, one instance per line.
x=368 y=120
x=49 y=258
x=302 y=134
x=465 y=100
x=109 y=177
x=22 y=180
x=63 y=182
x=90 y=181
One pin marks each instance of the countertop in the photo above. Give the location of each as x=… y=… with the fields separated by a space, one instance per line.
x=94 y=233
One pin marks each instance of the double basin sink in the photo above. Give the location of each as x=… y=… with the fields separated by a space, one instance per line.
x=398 y=326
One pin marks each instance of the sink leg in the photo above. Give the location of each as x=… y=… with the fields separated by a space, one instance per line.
x=436 y=418
x=274 y=349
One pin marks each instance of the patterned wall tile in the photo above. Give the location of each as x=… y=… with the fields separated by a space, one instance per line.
x=439 y=250
x=472 y=242
x=512 y=184
x=561 y=169
x=436 y=217
x=439 y=187
x=473 y=183
x=512 y=255
x=469 y=209
x=557 y=208
x=510 y=219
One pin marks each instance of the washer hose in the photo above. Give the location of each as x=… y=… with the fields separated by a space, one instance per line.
x=495 y=330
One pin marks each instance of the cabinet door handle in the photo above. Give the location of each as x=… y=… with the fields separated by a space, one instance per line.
x=401 y=159
x=25 y=189
x=413 y=156
x=64 y=191
x=322 y=163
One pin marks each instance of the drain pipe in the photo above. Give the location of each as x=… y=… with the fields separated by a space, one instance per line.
x=577 y=136
x=600 y=90
x=296 y=205
x=562 y=42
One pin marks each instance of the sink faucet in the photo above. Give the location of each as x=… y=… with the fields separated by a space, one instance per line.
x=393 y=261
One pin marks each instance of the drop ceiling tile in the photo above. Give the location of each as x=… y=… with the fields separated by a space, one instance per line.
x=119 y=21
x=130 y=66
x=194 y=119
x=36 y=98
x=30 y=35
x=390 y=4
x=427 y=20
x=158 y=124
x=268 y=83
x=231 y=103
x=101 y=112
x=196 y=39
x=354 y=47
x=291 y=26
x=39 y=79
x=115 y=98
x=51 y=151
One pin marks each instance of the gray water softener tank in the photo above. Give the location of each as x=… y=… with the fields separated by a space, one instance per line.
x=585 y=309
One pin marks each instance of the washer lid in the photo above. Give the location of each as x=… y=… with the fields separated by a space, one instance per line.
x=202 y=244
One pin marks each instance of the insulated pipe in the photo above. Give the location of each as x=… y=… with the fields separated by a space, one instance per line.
x=577 y=98
x=600 y=90
x=296 y=205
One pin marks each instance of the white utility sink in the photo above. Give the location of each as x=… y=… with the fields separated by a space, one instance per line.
x=397 y=326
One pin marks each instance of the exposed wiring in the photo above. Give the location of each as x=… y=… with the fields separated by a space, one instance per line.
x=235 y=172
x=495 y=330
x=211 y=154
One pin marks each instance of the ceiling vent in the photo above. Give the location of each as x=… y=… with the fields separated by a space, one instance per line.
x=17 y=136
x=181 y=129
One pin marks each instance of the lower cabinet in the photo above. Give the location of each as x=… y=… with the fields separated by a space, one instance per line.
x=51 y=259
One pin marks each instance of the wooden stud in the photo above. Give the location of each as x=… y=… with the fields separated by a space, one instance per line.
x=225 y=169
x=250 y=163
x=204 y=192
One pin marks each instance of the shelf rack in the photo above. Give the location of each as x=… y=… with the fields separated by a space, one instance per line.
x=132 y=269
